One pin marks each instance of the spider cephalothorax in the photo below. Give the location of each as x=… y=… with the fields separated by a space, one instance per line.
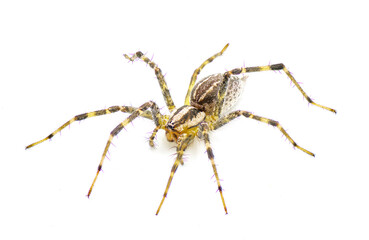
x=206 y=108
x=183 y=119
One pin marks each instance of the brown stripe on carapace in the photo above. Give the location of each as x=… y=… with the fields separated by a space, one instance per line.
x=189 y=114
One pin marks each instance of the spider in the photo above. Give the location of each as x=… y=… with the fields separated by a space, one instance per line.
x=206 y=108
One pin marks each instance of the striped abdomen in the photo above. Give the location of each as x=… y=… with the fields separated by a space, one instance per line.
x=204 y=95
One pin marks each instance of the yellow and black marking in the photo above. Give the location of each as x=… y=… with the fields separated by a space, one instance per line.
x=200 y=114
x=182 y=144
x=198 y=70
x=235 y=114
x=113 y=109
x=153 y=135
x=159 y=75
x=138 y=112
x=205 y=134
x=277 y=67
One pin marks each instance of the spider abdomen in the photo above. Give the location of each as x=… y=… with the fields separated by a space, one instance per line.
x=204 y=95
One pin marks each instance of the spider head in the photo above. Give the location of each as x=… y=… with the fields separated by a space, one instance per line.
x=182 y=120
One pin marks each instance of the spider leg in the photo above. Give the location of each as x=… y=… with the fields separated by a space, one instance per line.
x=205 y=132
x=153 y=134
x=152 y=138
x=197 y=72
x=159 y=76
x=138 y=112
x=181 y=147
x=221 y=95
x=224 y=120
x=80 y=117
x=276 y=67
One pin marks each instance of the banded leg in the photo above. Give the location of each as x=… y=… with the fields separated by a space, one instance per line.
x=113 y=109
x=163 y=85
x=152 y=137
x=181 y=147
x=197 y=72
x=271 y=122
x=138 y=112
x=222 y=93
x=276 y=67
x=205 y=133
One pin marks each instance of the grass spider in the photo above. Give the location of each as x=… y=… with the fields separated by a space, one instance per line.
x=206 y=108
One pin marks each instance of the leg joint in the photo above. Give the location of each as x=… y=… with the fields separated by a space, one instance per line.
x=273 y=123
x=278 y=66
x=139 y=54
x=114 y=109
x=246 y=114
x=236 y=71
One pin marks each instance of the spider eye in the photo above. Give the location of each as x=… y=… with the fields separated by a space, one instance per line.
x=170 y=126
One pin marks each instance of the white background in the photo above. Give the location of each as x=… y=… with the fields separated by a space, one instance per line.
x=59 y=59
